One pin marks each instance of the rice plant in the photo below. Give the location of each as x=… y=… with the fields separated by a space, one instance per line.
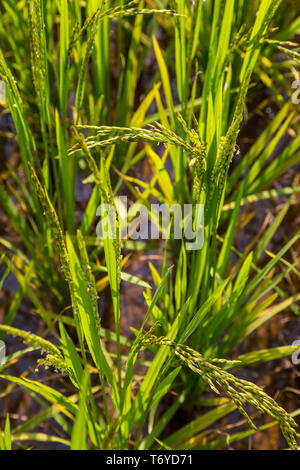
x=177 y=103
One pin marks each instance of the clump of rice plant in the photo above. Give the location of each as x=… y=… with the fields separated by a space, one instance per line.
x=238 y=390
x=96 y=93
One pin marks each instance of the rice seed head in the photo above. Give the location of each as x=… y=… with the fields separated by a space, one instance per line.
x=58 y=363
x=227 y=145
x=238 y=390
x=89 y=278
x=32 y=340
x=37 y=49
